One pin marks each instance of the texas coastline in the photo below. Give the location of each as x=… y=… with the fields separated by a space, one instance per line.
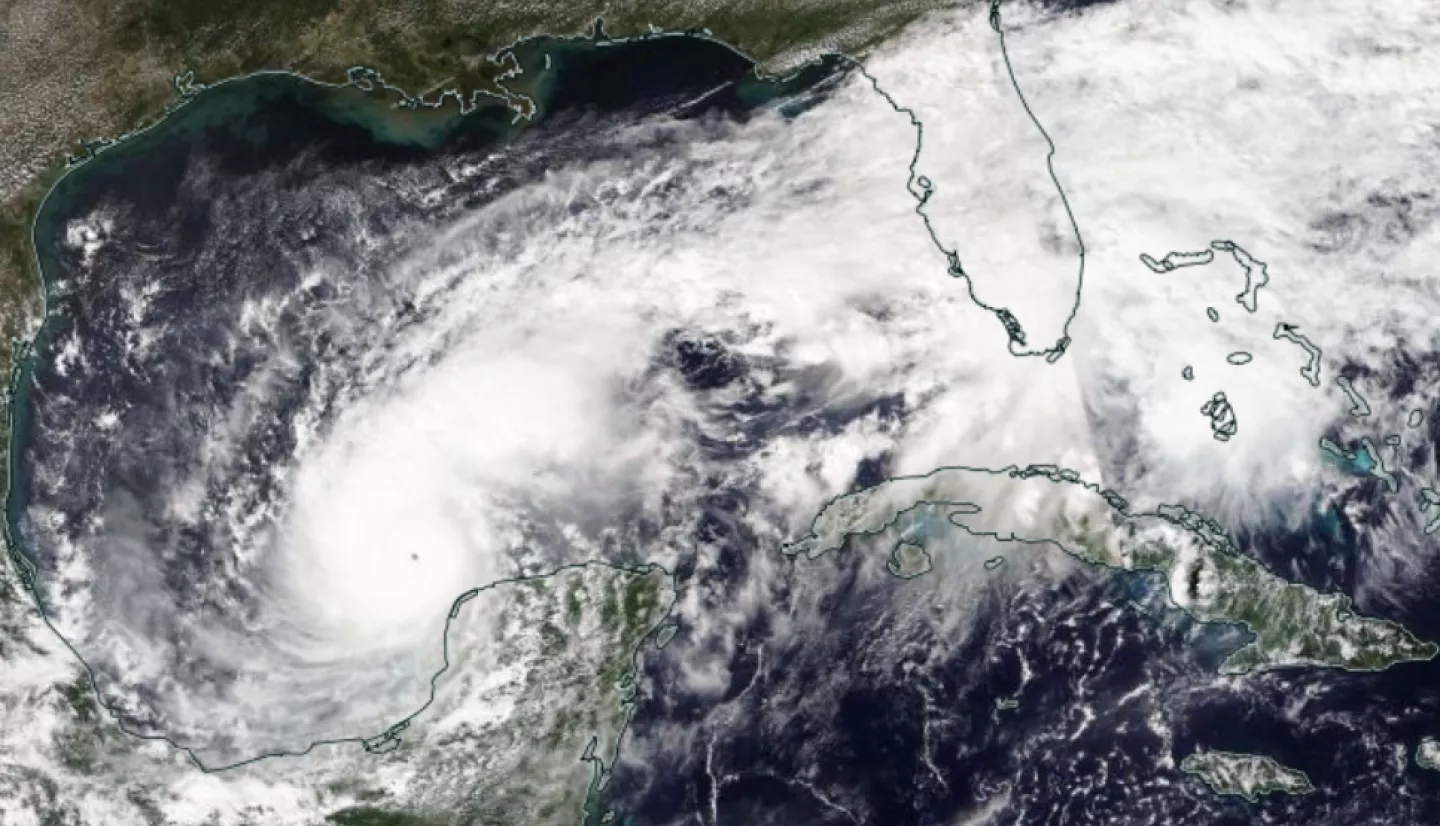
x=364 y=121
x=374 y=121
x=370 y=122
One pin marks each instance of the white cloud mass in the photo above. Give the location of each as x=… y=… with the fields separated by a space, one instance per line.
x=531 y=419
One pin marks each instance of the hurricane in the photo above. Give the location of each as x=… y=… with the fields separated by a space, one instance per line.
x=343 y=419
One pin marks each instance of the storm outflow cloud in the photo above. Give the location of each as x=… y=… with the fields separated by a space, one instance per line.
x=673 y=310
x=682 y=337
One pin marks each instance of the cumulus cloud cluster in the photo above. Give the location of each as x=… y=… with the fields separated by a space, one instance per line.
x=678 y=353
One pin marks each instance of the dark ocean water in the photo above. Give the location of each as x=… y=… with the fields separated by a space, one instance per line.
x=258 y=126
x=228 y=204
x=1115 y=692
x=876 y=717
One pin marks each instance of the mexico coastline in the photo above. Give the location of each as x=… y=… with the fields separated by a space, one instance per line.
x=272 y=116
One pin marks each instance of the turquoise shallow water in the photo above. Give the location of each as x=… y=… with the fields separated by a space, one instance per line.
x=915 y=751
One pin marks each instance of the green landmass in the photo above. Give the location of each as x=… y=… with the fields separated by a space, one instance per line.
x=1291 y=625
x=80 y=70
x=77 y=72
x=570 y=642
x=908 y=560
x=524 y=725
x=1245 y=775
x=371 y=816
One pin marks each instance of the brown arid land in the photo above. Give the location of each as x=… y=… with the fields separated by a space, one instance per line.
x=77 y=70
